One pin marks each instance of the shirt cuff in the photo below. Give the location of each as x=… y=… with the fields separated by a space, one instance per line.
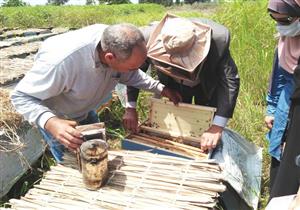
x=130 y=104
x=160 y=87
x=220 y=121
x=270 y=111
x=44 y=118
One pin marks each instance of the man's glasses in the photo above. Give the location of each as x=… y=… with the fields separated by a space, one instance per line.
x=283 y=20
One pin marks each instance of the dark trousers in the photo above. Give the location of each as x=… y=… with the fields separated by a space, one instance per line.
x=287 y=178
x=273 y=171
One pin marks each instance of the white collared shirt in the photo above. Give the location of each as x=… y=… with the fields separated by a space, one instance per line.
x=67 y=79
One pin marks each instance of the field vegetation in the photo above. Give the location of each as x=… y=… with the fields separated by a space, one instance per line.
x=252 y=47
x=78 y=16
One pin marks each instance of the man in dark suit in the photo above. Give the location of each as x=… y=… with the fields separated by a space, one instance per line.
x=192 y=56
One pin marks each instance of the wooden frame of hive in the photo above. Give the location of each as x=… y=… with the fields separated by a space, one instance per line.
x=175 y=128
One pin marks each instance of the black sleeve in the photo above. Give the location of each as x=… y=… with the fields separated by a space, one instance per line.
x=132 y=92
x=227 y=87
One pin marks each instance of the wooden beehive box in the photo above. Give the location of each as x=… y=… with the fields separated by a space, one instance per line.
x=176 y=129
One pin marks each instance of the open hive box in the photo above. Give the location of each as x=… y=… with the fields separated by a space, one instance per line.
x=173 y=129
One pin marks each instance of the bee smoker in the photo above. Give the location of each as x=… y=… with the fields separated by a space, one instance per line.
x=92 y=157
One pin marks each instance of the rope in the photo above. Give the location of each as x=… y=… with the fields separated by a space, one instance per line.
x=57 y=190
x=135 y=190
x=182 y=180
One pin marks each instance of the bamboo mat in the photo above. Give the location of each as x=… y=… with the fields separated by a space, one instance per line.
x=137 y=180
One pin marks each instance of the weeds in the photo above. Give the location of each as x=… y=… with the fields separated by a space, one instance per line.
x=78 y=16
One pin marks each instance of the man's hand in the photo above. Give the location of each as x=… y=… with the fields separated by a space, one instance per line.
x=173 y=95
x=295 y=204
x=64 y=131
x=269 y=120
x=130 y=119
x=211 y=137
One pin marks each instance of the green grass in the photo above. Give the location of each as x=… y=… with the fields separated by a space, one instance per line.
x=78 y=16
x=252 y=47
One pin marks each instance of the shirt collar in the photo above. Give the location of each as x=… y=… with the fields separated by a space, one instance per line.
x=97 y=59
x=96 y=53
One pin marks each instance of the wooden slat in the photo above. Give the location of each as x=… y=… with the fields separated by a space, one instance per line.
x=167 y=135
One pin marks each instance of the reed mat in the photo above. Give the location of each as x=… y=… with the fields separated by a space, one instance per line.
x=137 y=180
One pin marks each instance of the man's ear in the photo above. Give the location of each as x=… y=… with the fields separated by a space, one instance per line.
x=109 y=57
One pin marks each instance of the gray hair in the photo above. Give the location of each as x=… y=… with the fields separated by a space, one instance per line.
x=120 y=39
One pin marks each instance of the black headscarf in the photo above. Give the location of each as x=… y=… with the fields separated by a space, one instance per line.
x=290 y=7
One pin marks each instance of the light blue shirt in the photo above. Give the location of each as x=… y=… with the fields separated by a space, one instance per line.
x=278 y=100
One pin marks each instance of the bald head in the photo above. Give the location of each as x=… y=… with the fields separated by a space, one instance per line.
x=121 y=39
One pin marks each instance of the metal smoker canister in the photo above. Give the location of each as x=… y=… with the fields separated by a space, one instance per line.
x=93 y=155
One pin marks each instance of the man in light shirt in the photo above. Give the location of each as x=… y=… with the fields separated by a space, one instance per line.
x=74 y=72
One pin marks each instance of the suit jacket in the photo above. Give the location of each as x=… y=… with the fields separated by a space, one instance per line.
x=296 y=94
x=219 y=77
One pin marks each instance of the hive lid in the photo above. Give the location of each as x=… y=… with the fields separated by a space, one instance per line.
x=184 y=120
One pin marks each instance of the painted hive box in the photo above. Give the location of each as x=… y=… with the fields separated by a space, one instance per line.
x=175 y=128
